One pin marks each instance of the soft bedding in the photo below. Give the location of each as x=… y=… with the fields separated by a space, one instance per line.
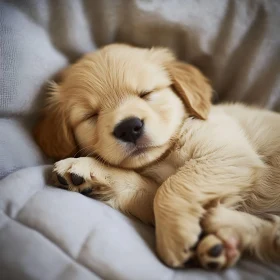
x=48 y=233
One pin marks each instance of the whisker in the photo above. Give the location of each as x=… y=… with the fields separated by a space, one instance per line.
x=80 y=150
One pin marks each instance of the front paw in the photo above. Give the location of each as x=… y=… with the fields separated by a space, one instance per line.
x=218 y=251
x=176 y=242
x=71 y=173
x=83 y=175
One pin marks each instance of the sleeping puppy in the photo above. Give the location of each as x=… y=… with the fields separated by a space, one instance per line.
x=155 y=148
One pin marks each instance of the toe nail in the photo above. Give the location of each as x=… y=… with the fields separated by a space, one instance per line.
x=61 y=180
x=232 y=242
x=232 y=253
x=213 y=265
x=76 y=179
x=216 y=250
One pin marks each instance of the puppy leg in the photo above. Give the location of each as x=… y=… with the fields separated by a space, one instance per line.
x=177 y=216
x=232 y=232
x=121 y=189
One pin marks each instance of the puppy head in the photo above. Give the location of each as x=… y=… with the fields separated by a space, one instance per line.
x=122 y=104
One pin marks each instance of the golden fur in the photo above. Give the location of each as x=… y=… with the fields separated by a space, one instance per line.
x=196 y=167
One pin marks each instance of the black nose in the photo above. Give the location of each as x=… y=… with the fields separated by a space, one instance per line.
x=129 y=130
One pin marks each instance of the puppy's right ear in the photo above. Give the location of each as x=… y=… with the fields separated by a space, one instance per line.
x=53 y=132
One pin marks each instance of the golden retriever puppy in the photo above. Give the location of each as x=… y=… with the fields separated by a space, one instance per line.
x=155 y=148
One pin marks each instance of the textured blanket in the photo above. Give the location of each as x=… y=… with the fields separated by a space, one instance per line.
x=47 y=233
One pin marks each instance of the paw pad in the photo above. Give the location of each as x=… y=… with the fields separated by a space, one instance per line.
x=211 y=253
x=192 y=262
x=86 y=192
x=76 y=179
x=213 y=265
x=216 y=250
x=61 y=180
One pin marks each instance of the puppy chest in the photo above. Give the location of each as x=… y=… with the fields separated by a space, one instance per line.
x=161 y=171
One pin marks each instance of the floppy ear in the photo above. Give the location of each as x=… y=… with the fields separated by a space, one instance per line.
x=53 y=133
x=194 y=89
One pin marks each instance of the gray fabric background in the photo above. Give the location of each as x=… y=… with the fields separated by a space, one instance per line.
x=47 y=233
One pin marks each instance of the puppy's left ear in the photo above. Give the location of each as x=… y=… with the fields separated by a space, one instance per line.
x=192 y=86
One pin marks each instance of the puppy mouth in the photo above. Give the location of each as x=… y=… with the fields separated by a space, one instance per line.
x=139 y=151
x=141 y=147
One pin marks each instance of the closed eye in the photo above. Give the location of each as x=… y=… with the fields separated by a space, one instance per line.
x=144 y=94
x=91 y=117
